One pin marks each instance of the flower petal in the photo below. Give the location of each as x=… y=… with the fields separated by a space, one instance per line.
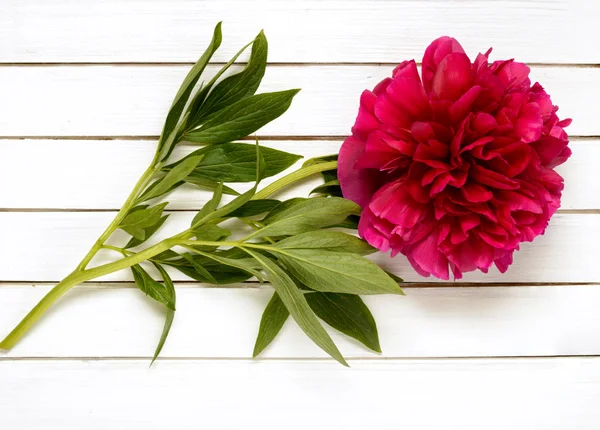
x=434 y=54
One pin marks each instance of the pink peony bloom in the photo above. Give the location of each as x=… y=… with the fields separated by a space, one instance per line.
x=454 y=169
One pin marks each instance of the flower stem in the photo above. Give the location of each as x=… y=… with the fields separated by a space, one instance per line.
x=299 y=174
x=81 y=274
x=141 y=184
x=75 y=278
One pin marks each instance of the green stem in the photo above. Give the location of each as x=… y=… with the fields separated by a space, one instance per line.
x=299 y=174
x=81 y=274
x=121 y=251
x=212 y=243
x=129 y=203
x=271 y=189
x=77 y=278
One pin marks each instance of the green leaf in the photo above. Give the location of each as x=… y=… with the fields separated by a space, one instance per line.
x=284 y=206
x=307 y=215
x=336 y=272
x=211 y=233
x=240 y=200
x=246 y=264
x=273 y=318
x=148 y=232
x=166 y=255
x=167 y=137
x=210 y=206
x=327 y=240
x=199 y=269
x=207 y=184
x=195 y=109
x=152 y=288
x=296 y=304
x=140 y=218
x=242 y=118
x=138 y=233
x=398 y=279
x=236 y=162
x=254 y=207
x=229 y=207
x=175 y=176
x=238 y=86
x=143 y=217
x=320 y=160
x=350 y=223
x=331 y=188
x=348 y=314
x=223 y=274
x=168 y=283
x=328 y=175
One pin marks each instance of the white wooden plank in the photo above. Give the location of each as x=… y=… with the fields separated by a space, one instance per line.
x=67 y=174
x=47 y=246
x=118 y=321
x=523 y=394
x=134 y=100
x=550 y=31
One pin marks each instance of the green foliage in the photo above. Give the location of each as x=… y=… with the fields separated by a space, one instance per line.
x=273 y=318
x=317 y=272
x=348 y=314
x=242 y=118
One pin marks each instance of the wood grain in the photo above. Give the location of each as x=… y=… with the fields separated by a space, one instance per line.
x=82 y=175
x=547 y=31
x=97 y=321
x=134 y=100
x=494 y=394
x=76 y=72
x=53 y=244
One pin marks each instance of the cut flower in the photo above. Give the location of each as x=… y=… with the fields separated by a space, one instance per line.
x=454 y=168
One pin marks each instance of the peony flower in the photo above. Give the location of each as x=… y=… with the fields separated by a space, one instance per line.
x=454 y=168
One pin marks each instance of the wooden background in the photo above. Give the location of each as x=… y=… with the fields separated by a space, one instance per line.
x=84 y=88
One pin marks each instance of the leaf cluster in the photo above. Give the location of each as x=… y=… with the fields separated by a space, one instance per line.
x=317 y=271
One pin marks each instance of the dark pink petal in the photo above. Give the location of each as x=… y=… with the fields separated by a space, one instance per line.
x=426 y=256
x=516 y=201
x=561 y=158
x=366 y=120
x=416 y=266
x=440 y=183
x=483 y=123
x=503 y=260
x=388 y=113
x=434 y=54
x=462 y=107
x=492 y=179
x=475 y=193
x=407 y=69
x=409 y=97
x=394 y=204
x=453 y=77
x=548 y=148
x=529 y=124
x=372 y=235
x=382 y=86
x=357 y=185
x=514 y=75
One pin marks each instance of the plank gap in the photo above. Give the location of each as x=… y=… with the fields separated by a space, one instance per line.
x=275 y=138
x=91 y=210
x=255 y=284
x=242 y=63
x=302 y=359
